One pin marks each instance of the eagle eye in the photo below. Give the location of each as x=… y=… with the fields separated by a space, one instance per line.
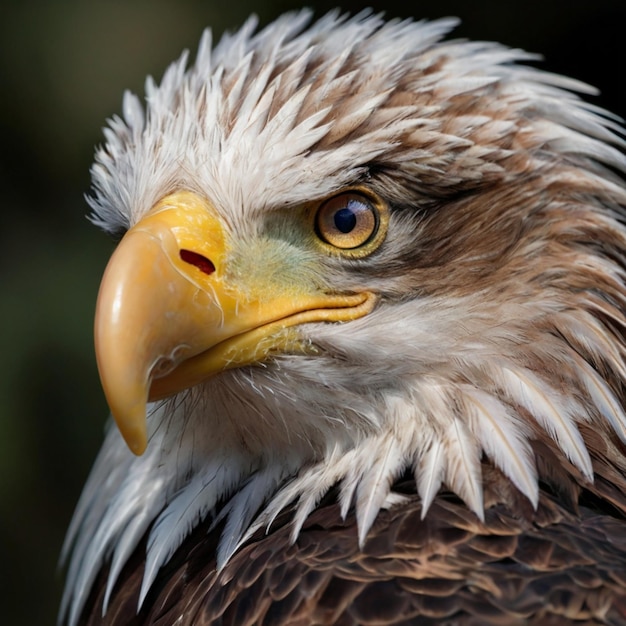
x=348 y=220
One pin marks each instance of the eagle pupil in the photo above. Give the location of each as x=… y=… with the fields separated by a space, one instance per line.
x=345 y=220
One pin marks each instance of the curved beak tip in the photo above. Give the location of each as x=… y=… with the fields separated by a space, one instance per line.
x=137 y=442
x=134 y=432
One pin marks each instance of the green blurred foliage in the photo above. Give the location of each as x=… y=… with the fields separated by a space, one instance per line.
x=64 y=65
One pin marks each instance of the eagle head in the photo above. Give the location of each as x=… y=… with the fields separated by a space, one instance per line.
x=349 y=251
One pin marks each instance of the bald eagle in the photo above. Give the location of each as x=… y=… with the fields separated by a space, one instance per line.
x=363 y=339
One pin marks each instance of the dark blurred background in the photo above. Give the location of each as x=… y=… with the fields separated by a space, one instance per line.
x=63 y=67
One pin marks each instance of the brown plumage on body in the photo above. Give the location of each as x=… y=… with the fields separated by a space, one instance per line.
x=549 y=566
x=365 y=333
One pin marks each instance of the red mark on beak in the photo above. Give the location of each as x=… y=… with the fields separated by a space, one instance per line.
x=201 y=262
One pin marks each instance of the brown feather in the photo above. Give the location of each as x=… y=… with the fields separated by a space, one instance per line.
x=519 y=567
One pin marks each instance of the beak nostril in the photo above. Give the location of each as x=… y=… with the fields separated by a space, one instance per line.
x=201 y=262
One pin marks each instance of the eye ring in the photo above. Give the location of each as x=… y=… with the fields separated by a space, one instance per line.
x=350 y=221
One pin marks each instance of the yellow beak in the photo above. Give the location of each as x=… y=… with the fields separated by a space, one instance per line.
x=167 y=317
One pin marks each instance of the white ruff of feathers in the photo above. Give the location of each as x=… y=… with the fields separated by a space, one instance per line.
x=429 y=384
